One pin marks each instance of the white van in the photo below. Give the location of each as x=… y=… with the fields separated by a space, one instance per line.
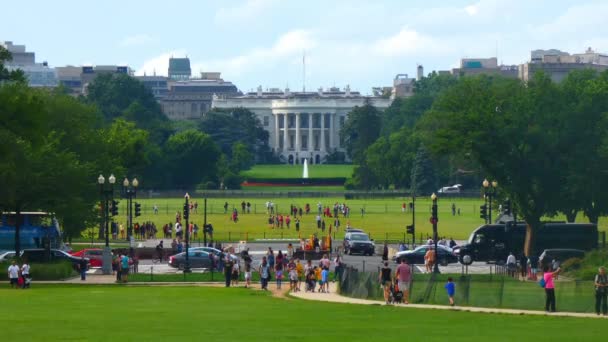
x=454 y=189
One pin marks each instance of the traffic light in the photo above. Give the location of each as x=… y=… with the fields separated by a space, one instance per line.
x=507 y=207
x=114 y=208
x=137 y=209
x=186 y=211
x=483 y=212
x=410 y=229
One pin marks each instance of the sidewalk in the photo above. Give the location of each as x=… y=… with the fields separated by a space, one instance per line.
x=334 y=297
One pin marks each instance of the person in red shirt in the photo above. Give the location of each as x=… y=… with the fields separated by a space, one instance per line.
x=287 y=221
x=404 y=276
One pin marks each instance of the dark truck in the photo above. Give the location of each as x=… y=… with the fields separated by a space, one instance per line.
x=494 y=242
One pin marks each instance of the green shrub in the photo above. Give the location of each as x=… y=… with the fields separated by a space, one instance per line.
x=52 y=271
x=572 y=264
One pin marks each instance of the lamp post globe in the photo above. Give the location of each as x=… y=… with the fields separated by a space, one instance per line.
x=112 y=179
x=125 y=182
x=494 y=184
x=135 y=182
x=101 y=179
x=485 y=183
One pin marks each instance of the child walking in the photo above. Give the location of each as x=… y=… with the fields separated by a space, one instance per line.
x=451 y=289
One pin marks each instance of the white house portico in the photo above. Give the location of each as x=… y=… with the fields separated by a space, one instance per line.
x=302 y=124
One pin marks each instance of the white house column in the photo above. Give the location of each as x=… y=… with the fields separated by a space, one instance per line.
x=276 y=132
x=297 y=147
x=322 y=132
x=285 y=132
x=331 y=130
x=310 y=140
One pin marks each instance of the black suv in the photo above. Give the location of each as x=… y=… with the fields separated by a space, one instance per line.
x=39 y=255
x=358 y=243
x=559 y=254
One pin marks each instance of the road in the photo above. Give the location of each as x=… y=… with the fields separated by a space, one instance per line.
x=363 y=263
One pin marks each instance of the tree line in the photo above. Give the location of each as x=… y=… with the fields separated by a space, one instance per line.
x=55 y=145
x=545 y=143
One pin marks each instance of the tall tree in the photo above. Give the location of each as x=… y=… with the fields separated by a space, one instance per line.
x=422 y=177
x=192 y=158
x=509 y=128
x=236 y=125
x=361 y=129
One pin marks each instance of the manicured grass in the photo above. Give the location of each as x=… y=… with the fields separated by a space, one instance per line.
x=119 y=313
x=295 y=171
x=383 y=217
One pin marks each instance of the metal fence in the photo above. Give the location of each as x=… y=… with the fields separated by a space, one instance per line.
x=496 y=290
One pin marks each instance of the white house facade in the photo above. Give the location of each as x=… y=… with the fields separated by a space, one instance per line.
x=302 y=125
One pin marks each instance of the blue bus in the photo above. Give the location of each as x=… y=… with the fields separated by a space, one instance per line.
x=36 y=228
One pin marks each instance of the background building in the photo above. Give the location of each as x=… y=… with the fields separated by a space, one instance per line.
x=557 y=64
x=302 y=124
x=191 y=99
x=179 y=69
x=37 y=74
x=477 y=66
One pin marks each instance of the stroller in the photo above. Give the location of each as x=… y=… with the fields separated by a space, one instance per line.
x=396 y=296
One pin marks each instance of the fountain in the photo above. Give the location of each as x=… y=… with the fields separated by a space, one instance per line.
x=305 y=169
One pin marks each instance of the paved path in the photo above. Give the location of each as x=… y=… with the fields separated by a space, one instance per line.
x=337 y=298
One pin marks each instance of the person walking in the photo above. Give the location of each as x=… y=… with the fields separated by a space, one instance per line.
x=550 y=288
x=385 y=252
x=124 y=263
x=384 y=278
x=264 y=271
x=601 y=291
x=82 y=267
x=450 y=287
x=270 y=256
x=511 y=265
x=404 y=277
x=159 y=251
x=25 y=274
x=337 y=267
x=13 y=274
x=228 y=264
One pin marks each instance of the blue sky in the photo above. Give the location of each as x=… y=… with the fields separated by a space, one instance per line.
x=261 y=42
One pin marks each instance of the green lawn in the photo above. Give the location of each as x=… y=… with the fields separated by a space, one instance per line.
x=383 y=217
x=118 y=313
x=295 y=171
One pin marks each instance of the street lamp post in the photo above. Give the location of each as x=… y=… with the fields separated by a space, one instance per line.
x=107 y=195
x=489 y=192
x=434 y=220
x=129 y=190
x=187 y=227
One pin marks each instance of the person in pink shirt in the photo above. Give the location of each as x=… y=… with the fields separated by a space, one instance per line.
x=404 y=276
x=550 y=288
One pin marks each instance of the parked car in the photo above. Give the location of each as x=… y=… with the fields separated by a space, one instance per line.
x=358 y=243
x=40 y=255
x=95 y=255
x=445 y=255
x=197 y=259
x=354 y=230
x=6 y=256
x=560 y=254
x=214 y=251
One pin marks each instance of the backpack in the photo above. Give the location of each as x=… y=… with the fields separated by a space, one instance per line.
x=542 y=283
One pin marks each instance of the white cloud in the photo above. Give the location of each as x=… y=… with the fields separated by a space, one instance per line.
x=405 y=42
x=159 y=65
x=136 y=40
x=471 y=10
x=288 y=45
x=246 y=11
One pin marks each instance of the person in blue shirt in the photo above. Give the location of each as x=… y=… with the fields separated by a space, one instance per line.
x=124 y=264
x=324 y=280
x=451 y=289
